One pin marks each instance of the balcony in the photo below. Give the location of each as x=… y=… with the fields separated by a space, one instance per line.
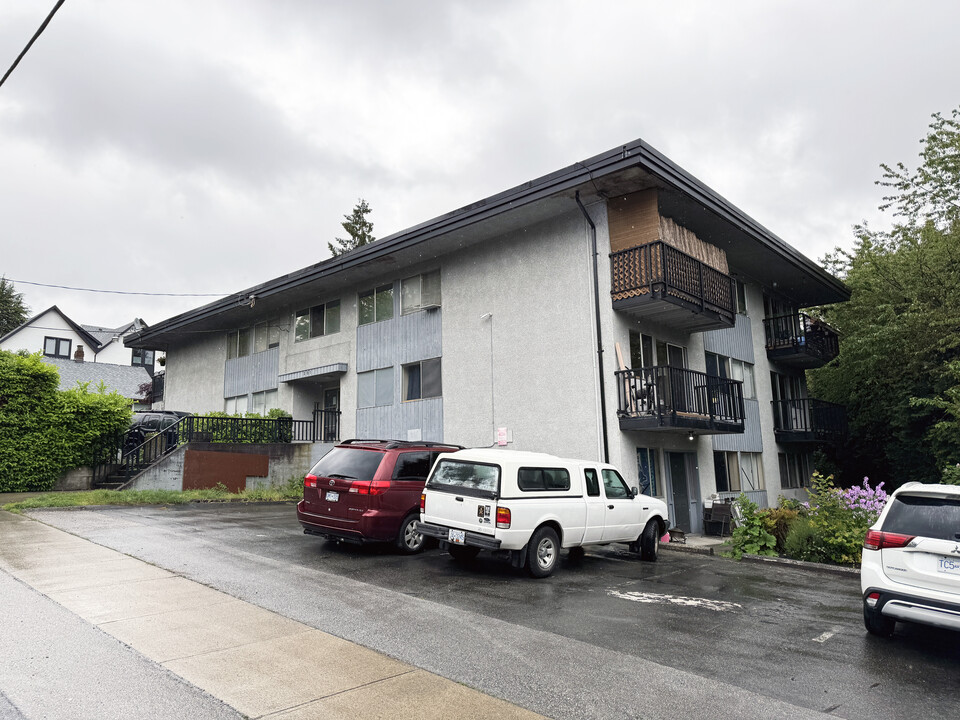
x=658 y=282
x=808 y=420
x=670 y=399
x=800 y=341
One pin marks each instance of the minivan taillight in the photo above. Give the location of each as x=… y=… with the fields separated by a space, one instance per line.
x=310 y=481
x=503 y=518
x=369 y=487
x=876 y=540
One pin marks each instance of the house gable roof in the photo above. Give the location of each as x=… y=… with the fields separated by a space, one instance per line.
x=751 y=248
x=92 y=342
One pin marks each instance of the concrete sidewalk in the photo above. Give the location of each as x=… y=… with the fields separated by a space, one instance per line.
x=255 y=661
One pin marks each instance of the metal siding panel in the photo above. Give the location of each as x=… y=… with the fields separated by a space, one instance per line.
x=253 y=373
x=747 y=441
x=735 y=342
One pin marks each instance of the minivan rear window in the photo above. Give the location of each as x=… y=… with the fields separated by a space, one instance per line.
x=930 y=517
x=469 y=478
x=348 y=463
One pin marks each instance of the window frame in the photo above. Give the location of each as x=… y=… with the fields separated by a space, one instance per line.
x=382 y=380
x=378 y=293
x=407 y=371
x=421 y=302
x=651 y=455
x=305 y=321
x=143 y=352
x=58 y=341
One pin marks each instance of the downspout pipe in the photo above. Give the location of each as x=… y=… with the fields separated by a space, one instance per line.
x=596 y=309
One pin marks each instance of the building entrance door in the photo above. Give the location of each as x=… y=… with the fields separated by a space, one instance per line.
x=684 y=493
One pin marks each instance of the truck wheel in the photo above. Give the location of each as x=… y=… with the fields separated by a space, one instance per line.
x=463 y=553
x=650 y=542
x=409 y=540
x=544 y=549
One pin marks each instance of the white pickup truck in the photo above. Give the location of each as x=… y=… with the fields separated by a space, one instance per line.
x=527 y=506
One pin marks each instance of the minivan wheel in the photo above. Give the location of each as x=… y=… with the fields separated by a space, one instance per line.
x=409 y=540
x=543 y=551
x=876 y=623
x=650 y=542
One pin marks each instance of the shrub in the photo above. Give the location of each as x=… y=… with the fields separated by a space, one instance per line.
x=45 y=432
x=778 y=522
x=751 y=536
x=800 y=542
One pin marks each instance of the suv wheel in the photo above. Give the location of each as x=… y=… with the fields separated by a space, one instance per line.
x=876 y=623
x=542 y=553
x=409 y=540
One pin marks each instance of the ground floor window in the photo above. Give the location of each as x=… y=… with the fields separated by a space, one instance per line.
x=235 y=405
x=738 y=471
x=264 y=401
x=795 y=470
x=647 y=471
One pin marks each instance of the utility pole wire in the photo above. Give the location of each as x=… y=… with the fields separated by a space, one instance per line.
x=32 y=40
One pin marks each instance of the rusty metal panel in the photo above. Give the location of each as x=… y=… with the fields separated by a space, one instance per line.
x=203 y=469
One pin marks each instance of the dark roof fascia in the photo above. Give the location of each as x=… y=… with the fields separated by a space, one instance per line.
x=93 y=343
x=636 y=153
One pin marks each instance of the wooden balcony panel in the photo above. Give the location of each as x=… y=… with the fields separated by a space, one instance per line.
x=659 y=282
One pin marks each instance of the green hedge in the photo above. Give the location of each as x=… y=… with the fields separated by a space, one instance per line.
x=45 y=432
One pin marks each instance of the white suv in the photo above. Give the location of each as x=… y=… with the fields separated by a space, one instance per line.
x=911 y=560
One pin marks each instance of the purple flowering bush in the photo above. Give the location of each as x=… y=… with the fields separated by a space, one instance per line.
x=835 y=522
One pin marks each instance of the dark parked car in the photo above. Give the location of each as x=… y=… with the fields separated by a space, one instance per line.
x=369 y=491
x=147 y=422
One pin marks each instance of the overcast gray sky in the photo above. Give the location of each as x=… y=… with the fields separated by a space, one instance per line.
x=204 y=147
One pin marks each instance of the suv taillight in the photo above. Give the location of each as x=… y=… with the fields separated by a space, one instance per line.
x=423 y=501
x=310 y=481
x=876 y=540
x=503 y=518
x=369 y=487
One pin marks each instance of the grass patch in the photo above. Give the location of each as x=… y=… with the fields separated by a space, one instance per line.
x=291 y=490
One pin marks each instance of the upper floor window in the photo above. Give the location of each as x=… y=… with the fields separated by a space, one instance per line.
x=318 y=320
x=741 y=298
x=376 y=305
x=239 y=343
x=56 y=347
x=420 y=291
x=142 y=357
x=375 y=388
x=265 y=336
x=724 y=367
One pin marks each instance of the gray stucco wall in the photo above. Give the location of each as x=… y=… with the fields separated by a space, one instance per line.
x=530 y=366
x=194 y=374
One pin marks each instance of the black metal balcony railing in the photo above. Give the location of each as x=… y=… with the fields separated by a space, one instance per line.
x=808 y=420
x=800 y=340
x=123 y=456
x=667 y=398
x=647 y=277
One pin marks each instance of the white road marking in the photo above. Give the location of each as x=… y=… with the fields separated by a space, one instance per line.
x=642 y=597
x=827 y=635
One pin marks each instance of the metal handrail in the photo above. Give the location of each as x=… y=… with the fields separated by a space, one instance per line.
x=662 y=391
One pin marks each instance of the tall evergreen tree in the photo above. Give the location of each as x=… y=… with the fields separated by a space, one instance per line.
x=358 y=227
x=13 y=313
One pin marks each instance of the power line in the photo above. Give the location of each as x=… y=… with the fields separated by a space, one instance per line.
x=119 y=292
x=32 y=40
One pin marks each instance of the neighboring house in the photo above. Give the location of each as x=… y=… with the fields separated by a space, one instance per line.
x=616 y=309
x=86 y=353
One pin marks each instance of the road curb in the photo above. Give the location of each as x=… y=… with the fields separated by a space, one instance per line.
x=803 y=565
x=679 y=547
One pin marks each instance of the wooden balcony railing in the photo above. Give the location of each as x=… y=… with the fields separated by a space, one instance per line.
x=648 y=277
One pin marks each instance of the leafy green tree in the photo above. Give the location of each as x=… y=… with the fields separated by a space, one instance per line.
x=13 y=313
x=358 y=227
x=901 y=329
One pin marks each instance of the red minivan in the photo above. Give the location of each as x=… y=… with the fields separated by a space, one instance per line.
x=369 y=491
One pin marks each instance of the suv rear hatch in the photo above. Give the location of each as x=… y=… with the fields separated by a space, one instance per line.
x=920 y=541
x=341 y=486
x=463 y=495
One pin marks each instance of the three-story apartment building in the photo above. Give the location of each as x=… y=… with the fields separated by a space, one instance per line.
x=616 y=309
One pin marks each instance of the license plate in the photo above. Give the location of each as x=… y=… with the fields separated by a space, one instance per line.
x=457 y=537
x=948 y=565
x=331 y=496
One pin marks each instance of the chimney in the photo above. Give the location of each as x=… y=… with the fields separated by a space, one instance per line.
x=78 y=355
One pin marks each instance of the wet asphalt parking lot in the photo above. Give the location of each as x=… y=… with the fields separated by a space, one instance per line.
x=608 y=636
